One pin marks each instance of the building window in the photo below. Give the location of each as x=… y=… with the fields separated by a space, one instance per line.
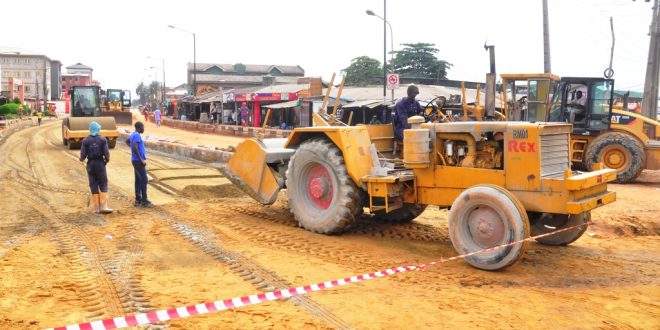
x=28 y=89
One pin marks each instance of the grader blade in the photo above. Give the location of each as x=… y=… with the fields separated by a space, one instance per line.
x=252 y=168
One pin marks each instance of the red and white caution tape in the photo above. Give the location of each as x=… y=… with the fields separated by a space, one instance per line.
x=220 y=305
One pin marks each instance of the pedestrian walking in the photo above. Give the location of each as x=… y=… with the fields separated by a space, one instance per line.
x=214 y=113
x=95 y=149
x=245 y=112
x=139 y=161
x=157 y=115
x=39 y=116
x=146 y=113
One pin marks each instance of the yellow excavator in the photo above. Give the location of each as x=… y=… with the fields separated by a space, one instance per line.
x=85 y=105
x=503 y=181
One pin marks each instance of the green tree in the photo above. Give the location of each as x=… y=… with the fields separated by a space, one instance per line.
x=363 y=71
x=149 y=93
x=143 y=93
x=419 y=60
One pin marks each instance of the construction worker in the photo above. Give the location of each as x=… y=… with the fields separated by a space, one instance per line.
x=139 y=161
x=404 y=109
x=95 y=149
x=39 y=116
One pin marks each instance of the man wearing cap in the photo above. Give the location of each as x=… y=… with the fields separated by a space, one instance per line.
x=404 y=109
x=95 y=149
x=245 y=112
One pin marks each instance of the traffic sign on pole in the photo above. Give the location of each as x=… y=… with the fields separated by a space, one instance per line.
x=393 y=81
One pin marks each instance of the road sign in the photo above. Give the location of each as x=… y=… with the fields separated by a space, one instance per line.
x=393 y=81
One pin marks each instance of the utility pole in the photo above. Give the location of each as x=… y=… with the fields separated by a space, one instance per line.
x=385 y=51
x=650 y=100
x=546 y=39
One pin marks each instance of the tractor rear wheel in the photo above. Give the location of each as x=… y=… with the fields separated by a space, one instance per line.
x=486 y=216
x=619 y=151
x=322 y=196
x=543 y=223
x=407 y=213
x=112 y=144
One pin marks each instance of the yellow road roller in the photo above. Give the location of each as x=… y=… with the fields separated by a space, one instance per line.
x=85 y=109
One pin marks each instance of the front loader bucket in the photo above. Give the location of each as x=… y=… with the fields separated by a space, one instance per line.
x=249 y=168
x=121 y=117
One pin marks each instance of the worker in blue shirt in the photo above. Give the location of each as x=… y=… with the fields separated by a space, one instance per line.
x=404 y=109
x=139 y=160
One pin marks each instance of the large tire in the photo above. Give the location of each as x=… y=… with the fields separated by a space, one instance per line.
x=618 y=151
x=407 y=213
x=322 y=196
x=112 y=144
x=543 y=223
x=486 y=216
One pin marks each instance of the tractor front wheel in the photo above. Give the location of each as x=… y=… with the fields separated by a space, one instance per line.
x=484 y=217
x=322 y=196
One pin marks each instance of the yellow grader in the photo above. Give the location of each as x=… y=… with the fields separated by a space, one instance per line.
x=85 y=109
x=501 y=180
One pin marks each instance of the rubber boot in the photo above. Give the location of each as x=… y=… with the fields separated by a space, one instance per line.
x=95 y=199
x=103 y=203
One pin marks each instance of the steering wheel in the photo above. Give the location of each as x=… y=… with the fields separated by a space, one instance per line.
x=433 y=115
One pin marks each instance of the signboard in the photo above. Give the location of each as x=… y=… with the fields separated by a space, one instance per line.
x=393 y=81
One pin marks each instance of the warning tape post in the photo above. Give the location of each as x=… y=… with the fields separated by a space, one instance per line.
x=220 y=305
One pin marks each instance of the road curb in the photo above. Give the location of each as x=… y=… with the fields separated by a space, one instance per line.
x=184 y=151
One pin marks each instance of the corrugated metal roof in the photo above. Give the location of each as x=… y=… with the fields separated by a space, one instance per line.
x=371 y=104
x=251 y=68
x=221 y=78
x=426 y=93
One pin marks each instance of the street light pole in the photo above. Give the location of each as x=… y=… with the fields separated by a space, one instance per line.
x=194 y=57
x=386 y=23
x=164 y=87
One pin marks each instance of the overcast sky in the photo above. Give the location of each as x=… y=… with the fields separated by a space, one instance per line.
x=115 y=37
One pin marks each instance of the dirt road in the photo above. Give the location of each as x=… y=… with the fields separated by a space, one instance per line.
x=60 y=264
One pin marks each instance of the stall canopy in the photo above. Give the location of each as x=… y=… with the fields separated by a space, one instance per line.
x=288 y=104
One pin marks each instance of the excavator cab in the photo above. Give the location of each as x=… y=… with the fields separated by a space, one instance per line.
x=584 y=102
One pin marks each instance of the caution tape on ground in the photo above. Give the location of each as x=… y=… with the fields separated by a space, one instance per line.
x=226 y=304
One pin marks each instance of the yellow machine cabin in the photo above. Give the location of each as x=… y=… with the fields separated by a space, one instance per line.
x=501 y=180
x=85 y=105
